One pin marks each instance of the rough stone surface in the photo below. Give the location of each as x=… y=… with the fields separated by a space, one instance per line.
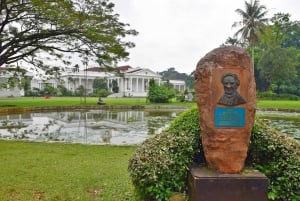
x=225 y=149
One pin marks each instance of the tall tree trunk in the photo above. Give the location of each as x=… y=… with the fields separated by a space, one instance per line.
x=252 y=52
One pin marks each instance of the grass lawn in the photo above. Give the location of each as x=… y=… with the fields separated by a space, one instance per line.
x=72 y=172
x=64 y=172
x=280 y=104
x=77 y=101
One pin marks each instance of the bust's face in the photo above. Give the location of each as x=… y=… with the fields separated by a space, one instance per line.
x=230 y=85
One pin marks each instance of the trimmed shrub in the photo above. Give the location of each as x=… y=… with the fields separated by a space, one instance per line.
x=159 y=93
x=269 y=95
x=278 y=157
x=160 y=165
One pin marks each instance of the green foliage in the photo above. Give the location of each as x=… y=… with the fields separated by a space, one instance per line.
x=253 y=21
x=53 y=28
x=159 y=94
x=115 y=87
x=172 y=74
x=277 y=61
x=99 y=84
x=102 y=93
x=64 y=172
x=160 y=165
x=269 y=95
x=190 y=81
x=278 y=157
x=292 y=35
x=63 y=91
x=275 y=33
x=277 y=64
x=48 y=89
x=180 y=98
x=79 y=91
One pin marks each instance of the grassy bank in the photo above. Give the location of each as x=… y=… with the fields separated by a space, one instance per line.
x=77 y=101
x=279 y=104
x=66 y=101
x=42 y=171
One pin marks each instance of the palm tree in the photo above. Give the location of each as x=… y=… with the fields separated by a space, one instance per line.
x=253 y=21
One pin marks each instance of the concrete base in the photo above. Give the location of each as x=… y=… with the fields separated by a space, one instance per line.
x=208 y=185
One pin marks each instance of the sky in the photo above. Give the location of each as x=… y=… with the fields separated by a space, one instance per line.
x=178 y=33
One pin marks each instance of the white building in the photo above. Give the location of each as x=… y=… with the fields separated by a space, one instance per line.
x=179 y=85
x=132 y=82
x=5 y=89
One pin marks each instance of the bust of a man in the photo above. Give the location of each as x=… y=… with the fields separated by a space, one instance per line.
x=230 y=96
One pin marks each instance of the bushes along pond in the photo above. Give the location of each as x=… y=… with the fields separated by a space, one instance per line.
x=160 y=165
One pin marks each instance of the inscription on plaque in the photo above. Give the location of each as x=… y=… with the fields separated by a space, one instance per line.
x=229 y=117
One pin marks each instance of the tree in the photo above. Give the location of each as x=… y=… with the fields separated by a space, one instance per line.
x=99 y=84
x=292 y=36
x=253 y=21
x=79 y=91
x=159 y=94
x=172 y=74
x=100 y=88
x=38 y=30
x=275 y=34
x=279 y=64
x=234 y=42
x=190 y=81
x=115 y=87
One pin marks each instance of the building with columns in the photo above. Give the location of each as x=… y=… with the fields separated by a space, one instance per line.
x=179 y=85
x=132 y=82
x=6 y=89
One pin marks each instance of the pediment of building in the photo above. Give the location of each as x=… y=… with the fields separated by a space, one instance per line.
x=143 y=72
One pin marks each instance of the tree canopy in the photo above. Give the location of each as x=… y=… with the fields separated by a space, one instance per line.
x=35 y=31
x=253 y=21
x=274 y=44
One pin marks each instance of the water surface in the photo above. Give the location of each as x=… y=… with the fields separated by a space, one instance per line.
x=112 y=127
x=86 y=127
x=286 y=122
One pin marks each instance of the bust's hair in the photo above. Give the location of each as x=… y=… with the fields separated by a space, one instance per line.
x=235 y=77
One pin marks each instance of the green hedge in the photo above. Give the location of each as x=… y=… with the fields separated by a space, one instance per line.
x=269 y=95
x=278 y=157
x=160 y=165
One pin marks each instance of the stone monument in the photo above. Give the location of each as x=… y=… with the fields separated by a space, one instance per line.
x=225 y=94
x=226 y=99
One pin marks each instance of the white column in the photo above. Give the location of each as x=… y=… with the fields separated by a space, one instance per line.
x=107 y=84
x=143 y=84
x=137 y=85
x=147 y=84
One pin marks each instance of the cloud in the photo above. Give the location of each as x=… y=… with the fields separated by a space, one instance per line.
x=176 y=33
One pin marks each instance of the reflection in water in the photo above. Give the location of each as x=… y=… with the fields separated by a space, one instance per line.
x=286 y=122
x=86 y=127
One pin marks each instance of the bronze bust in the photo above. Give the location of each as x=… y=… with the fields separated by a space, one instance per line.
x=231 y=97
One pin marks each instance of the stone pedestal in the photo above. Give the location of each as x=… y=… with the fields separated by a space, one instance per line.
x=208 y=185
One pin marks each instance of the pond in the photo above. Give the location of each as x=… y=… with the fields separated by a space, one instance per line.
x=112 y=127
x=86 y=127
x=286 y=122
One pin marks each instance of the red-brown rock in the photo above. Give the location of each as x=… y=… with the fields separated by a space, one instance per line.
x=225 y=95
